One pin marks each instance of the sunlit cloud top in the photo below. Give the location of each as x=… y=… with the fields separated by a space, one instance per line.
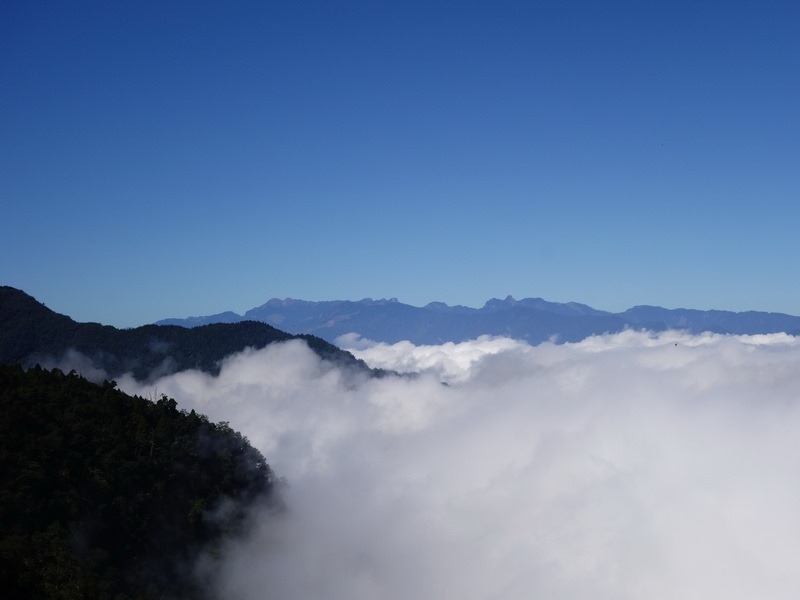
x=623 y=467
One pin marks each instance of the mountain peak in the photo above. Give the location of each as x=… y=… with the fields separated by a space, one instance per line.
x=497 y=304
x=436 y=306
x=283 y=303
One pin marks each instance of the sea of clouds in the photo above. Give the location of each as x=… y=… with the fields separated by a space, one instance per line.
x=625 y=466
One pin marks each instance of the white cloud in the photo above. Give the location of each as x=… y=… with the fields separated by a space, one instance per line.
x=450 y=362
x=625 y=466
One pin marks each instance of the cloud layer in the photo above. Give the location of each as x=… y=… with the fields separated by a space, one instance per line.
x=628 y=466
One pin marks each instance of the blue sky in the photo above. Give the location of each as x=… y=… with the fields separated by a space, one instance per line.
x=185 y=158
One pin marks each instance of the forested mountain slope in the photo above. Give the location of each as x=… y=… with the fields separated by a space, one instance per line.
x=109 y=496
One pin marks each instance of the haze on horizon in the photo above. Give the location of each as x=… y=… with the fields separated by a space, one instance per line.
x=188 y=158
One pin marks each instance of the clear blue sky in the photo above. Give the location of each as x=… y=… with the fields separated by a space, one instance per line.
x=166 y=159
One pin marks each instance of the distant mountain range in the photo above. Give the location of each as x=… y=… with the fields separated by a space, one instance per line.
x=531 y=319
x=31 y=333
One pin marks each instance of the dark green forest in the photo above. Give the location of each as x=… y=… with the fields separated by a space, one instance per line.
x=105 y=495
x=31 y=333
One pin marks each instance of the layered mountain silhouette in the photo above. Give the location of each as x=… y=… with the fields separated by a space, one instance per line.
x=531 y=319
x=31 y=333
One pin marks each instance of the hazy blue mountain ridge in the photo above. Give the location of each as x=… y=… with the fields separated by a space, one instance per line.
x=532 y=319
x=717 y=321
x=223 y=317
